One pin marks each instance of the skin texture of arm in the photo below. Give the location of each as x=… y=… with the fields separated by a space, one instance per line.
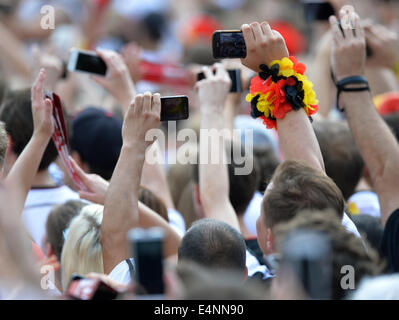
x=375 y=141
x=213 y=177
x=121 y=201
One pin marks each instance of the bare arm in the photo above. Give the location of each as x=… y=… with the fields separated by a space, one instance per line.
x=213 y=177
x=263 y=46
x=121 y=201
x=372 y=136
x=23 y=172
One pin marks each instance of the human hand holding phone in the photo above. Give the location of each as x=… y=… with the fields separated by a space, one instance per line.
x=213 y=90
x=117 y=80
x=264 y=45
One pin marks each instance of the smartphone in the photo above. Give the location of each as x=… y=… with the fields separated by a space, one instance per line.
x=307 y=254
x=317 y=10
x=235 y=76
x=82 y=288
x=228 y=44
x=86 y=61
x=147 y=250
x=369 y=51
x=174 y=108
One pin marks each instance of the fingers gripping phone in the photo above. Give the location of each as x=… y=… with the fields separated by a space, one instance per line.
x=174 y=108
x=228 y=44
x=86 y=61
x=235 y=76
x=147 y=250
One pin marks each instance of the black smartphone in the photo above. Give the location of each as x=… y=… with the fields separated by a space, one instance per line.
x=235 y=76
x=86 y=61
x=174 y=108
x=147 y=250
x=228 y=44
x=317 y=10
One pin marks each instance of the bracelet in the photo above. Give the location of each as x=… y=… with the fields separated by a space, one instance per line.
x=342 y=86
x=280 y=88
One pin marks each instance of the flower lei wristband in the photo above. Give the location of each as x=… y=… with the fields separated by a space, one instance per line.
x=280 y=88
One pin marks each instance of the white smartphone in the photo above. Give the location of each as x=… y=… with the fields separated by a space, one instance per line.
x=86 y=61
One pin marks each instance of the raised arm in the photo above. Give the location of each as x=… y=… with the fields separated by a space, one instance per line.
x=96 y=192
x=117 y=81
x=22 y=174
x=121 y=201
x=296 y=136
x=213 y=177
x=375 y=141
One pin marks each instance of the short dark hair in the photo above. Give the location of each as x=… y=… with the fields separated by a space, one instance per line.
x=268 y=163
x=347 y=249
x=213 y=244
x=58 y=220
x=371 y=229
x=342 y=159
x=242 y=187
x=16 y=113
x=297 y=187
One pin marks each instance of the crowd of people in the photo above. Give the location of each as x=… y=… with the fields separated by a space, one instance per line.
x=316 y=216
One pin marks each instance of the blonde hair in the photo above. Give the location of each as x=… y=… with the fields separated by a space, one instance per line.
x=82 y=248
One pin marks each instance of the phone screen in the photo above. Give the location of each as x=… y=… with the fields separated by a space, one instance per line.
x=229 y=44
x=91 y=63
x=149 y=265
x=318 y=10
x=174 y=108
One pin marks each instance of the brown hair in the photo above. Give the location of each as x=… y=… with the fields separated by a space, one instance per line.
x=347 y=249
x=342 y=159
x=153 y=202
x=297 y=187
x=58 y=220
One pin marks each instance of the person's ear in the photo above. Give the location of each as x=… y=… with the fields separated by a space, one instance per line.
x=269 y=240
x=245 y=274
x=197 y=201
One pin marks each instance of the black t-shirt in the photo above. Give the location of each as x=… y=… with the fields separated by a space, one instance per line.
x=390 y=242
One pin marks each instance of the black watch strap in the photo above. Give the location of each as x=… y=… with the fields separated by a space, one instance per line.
x=342 y=86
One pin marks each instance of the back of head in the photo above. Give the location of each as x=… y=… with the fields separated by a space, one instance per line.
x=16 y=113
x=296 y=187
x=347 y=249
x=215 y=245
x=97 y=138
x=268 y=162
x=342 y=159
x=58 y=221
x=82 y=248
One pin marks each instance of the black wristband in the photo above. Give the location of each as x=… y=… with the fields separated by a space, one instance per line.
x=342 y=86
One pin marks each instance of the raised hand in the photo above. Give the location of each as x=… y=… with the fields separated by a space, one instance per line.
x=131 y=54
x=348 y=52
x=42 y=108
x=384 y=45
x=117 y=81
x=143 y=115
x=213 y=90
x=263 y=45
x=96 y=185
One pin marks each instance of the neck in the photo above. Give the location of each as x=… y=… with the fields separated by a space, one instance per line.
x=43 y=179
x=244 y=230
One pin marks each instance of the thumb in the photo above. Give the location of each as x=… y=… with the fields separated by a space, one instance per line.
x=81 y=174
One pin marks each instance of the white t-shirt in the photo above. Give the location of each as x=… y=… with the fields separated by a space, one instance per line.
x=121 y=272
x=38 y=205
